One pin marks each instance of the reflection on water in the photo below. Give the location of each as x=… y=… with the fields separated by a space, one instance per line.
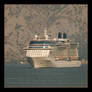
x=17 y=75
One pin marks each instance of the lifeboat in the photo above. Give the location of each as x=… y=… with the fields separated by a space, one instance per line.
x=60 y=58
x=74 y=58
x=70 y=58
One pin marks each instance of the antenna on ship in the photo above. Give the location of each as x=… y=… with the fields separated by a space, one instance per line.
x=45 y=34
x=36 y=36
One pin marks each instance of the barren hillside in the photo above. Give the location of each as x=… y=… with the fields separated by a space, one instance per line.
x=23 y=21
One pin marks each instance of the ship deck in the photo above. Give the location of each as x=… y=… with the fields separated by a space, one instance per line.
x=38 y=49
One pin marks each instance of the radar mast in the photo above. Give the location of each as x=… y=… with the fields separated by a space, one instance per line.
x=45 y=34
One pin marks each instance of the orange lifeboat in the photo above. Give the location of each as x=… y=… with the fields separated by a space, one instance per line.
x=60 y=58
x=70 y=58
x=74 y=58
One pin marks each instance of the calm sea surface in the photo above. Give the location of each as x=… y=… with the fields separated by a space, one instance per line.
x=17 y=75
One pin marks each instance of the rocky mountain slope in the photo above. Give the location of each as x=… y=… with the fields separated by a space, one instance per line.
x=23 y=21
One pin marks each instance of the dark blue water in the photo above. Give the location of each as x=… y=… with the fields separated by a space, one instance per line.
x=17 y=75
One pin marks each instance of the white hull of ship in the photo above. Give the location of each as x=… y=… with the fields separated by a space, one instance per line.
x=43 y=58
x=44 y=62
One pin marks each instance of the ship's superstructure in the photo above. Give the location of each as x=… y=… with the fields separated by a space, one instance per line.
x=57 y=52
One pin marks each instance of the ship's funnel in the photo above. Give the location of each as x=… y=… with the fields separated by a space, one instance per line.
x=59 y=35
x=64 y=35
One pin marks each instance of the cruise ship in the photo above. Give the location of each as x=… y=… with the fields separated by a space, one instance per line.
x=58 y=52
